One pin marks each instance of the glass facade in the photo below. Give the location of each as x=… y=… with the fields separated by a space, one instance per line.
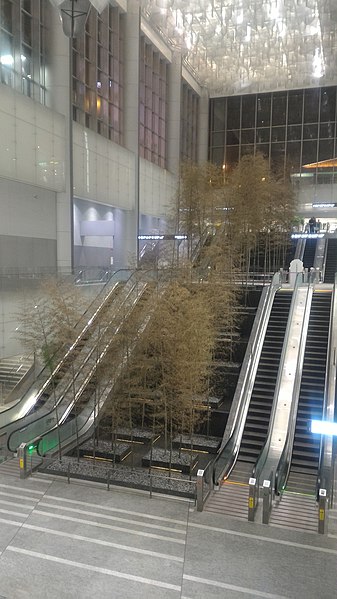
x=22 y=46
x=98 y=74
x=189 y=123
x=295 y=130
x=152 y=104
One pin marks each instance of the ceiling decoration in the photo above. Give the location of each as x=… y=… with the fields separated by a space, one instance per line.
x=245 y=46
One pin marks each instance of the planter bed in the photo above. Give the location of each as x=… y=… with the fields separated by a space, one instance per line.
x=199 y=443
x=104 y=451
x=137 y=435
x=161 y=459
x=121 y=476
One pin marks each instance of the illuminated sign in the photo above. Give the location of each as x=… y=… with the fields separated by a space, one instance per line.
x=324 y=205
x=307 y=235
x=160 y=237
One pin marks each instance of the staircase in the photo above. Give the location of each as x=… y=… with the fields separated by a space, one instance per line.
x=232 y=497
x=12 y=370
x=295 y=511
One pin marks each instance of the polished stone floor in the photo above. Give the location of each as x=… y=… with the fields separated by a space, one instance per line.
x=80 y=540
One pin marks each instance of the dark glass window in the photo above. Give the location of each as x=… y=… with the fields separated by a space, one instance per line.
x=233 y=137
x=311 y=105
x=263 y=110
x=248 y=112
x=217 y=155
x=279 y=108
x=295 y=107
x=263 y=135
x=327 y=130
x=263 y=149
x=6 y=15
x=232 y=155
x=294 y=132
x=233 y=113
x=294 y=155
x=309 y=152
x=310 y=131
x=277 y=154
x=247 y=136
x=328 y=104
x=325 y=149
x=278 y=134
x=219 y=113
x=218 y=138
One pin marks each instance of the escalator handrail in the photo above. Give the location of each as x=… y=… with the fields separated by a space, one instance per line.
x=93 y=405
x=229 y=448
x=283 y=467
x=324 y=478
x=45 y=369
x=61 y=398
x=259 y=464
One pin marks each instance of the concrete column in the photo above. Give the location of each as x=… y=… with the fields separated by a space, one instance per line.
x=131 y=121
x=58 y=99
x=203 y=126
x=174 y=114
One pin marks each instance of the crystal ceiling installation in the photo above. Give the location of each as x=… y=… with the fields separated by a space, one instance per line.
x=245 y=46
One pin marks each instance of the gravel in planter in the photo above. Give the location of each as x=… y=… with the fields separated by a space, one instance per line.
x=199 y=442
x=163 y=458
x=135 y=478
x=135 y=434
x=103 y=449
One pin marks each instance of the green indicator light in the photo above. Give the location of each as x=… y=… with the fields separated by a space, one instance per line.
x=31 y=448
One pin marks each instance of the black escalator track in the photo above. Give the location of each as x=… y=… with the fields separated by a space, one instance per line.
x=309 y=253
x=232 y=498
x=257 y=421
x=306 y=447
x=331 y=261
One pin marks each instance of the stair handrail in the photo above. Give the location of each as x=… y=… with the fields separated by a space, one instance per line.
x=284 y=464
x=325 y=467
x=325 y=256
x=228 y=451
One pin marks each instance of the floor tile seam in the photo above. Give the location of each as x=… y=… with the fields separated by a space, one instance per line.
x=110 y=517
x=23 y=487
x=102 y=542
x=235 y=588
x=264 y=538
x=108 y=527
x=15 y=496
x=115 y=509
x=96 y=569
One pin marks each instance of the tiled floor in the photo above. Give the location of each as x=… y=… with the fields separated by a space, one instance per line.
x=78 y=540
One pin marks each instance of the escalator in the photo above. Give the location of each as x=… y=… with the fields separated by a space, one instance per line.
x=257 y=421
x=79 y=382
x=306 y=447
x=331 y=261
x=232 y=497
x=309 y=253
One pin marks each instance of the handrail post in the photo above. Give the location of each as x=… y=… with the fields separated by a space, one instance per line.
x=267 y=500
x=200 y=490
x=322 y=506
x=22 y=455
x=252 y=499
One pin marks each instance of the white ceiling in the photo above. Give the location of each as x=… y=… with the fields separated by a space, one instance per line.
x=245 y=46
